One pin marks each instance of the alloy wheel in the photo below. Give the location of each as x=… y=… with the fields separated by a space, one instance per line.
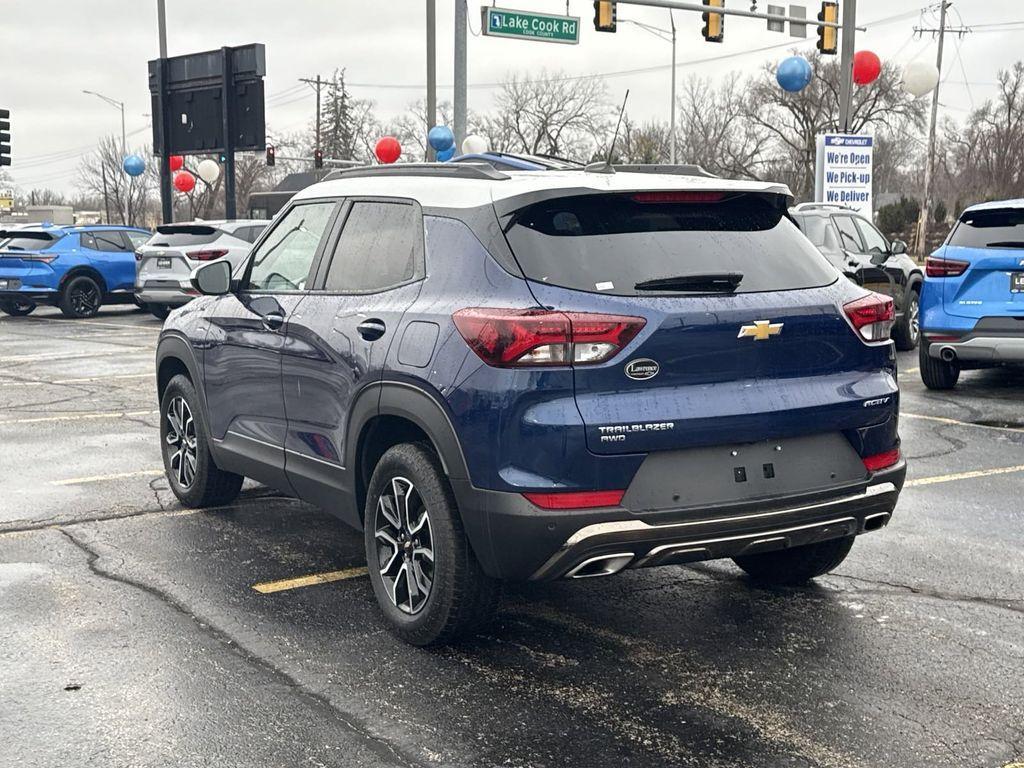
x=181 y=439
x=85 y=298
x=405 y=546
x=914 y=321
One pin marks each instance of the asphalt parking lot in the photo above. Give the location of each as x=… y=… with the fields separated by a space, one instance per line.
x=135 y=632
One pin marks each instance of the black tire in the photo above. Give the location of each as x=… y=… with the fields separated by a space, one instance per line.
x=159 y=311
x=207 y=485
x=907 y=332
x=17 y=307
x=81 y=297
x=796 y=565
x=937 y=374
x=460 y=598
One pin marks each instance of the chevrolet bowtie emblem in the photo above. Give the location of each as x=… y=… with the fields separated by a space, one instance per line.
x=761 y=330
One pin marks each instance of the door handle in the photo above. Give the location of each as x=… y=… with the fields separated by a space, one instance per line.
x=372 y=329
x=273 y=321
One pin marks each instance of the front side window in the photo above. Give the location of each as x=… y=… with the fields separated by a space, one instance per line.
x=848 y=234
x=379 y=248
x=137 y=239
x=103 y=241
x=873 y=240
x=283 y=261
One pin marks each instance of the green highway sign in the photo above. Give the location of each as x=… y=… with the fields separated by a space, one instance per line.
x=523 y=25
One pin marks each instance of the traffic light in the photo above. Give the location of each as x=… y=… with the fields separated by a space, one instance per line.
x=604 y=15
x=318 y=158
x=714 y=23
x=5 y=137
x=828 y=37
x=271 y=156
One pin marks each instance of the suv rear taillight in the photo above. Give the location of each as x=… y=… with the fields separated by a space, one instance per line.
x=206 y=255
x=882 y=460
x=935 y=267
x=873 y=316
x=46 y=258
x=511 y=338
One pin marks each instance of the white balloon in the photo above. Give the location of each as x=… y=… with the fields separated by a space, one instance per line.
x=919 y=78
x=208 y=170
x=474 y=145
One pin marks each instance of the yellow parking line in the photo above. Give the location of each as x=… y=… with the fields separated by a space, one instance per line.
x=956 y=423
x=101 y=478
x=964 y=476
x=79 y=417
x=267 y=587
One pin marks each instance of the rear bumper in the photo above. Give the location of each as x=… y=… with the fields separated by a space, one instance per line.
x=164 y=295
x=980 y=349
x=516 y=540
x=36 y=295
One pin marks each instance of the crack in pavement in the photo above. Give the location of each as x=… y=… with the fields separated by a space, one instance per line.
x=376 y=744
x=1015 y=605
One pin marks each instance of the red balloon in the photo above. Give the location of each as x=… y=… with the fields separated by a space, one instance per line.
x=184 y=181
x=175 y=162
x=388 y=150
x=866 y=67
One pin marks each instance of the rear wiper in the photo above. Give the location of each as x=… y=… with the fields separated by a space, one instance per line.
x=712 y=282
x=1007 y=244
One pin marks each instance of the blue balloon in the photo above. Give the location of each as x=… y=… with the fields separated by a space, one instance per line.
x=794 y=74
x=441 y=138
x=134 y=165
x=446 y=154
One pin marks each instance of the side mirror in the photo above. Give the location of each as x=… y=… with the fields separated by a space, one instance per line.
x=878 y=258
x=213 y=279
x=898 y=247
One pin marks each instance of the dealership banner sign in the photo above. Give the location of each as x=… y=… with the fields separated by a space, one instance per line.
x=843 y=172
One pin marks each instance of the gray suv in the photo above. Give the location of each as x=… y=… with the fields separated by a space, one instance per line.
x=857 y=249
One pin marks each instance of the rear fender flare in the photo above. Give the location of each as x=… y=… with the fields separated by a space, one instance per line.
x=88 y=272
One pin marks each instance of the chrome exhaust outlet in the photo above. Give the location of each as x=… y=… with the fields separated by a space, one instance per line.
x=948 y=354
x=602 y=565
x=876 y=521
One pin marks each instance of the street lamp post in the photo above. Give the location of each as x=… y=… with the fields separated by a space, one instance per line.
x=124 y=150
x=668 y=35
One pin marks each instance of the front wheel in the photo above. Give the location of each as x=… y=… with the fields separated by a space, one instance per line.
x=427 y=581
x=907 y=333
x=796 y=565
x=159 y=311
x=194 y=477
x=81 y=297
x=937 y=374
x=17 y=307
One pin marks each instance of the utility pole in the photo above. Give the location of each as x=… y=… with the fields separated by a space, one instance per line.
x=460 y=74
x=166 y=204
x=672 y=121
x=929 y=168
x=431 y=72
x=228 y=106
x=317 y=83
x=846 y=64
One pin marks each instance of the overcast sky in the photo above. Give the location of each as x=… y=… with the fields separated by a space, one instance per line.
x=50 y=50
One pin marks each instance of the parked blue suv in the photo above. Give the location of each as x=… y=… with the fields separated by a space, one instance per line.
x=507 y=376
x=76 y=268
x=972 y=304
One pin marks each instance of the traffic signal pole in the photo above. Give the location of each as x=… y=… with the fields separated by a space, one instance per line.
x=166 y=204
x=846 y=64
x=431 y=72
x=460 y=74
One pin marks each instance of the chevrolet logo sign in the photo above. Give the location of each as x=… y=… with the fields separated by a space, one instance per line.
x=761 y=330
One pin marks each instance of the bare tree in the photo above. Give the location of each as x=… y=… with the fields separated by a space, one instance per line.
x=101 y=175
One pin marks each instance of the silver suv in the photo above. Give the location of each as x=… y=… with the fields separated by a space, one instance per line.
x=165 y=262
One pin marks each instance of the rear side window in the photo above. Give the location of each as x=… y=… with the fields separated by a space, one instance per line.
x=611 y=243
x=990 y=229
x=34 y=241
x=380 y=247
x=181 y=235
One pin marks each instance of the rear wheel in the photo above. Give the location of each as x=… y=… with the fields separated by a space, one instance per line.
x=159 y=311
x=427 y=581
x=937 y=374
x=907 y=333
x=17 y=307
x=797 y=564
x=194 y=477
x=81 y=297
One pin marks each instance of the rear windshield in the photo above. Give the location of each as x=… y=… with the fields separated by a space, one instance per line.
x=173 y=236
x=990 y=229
x=611 y=243
x=28 y=241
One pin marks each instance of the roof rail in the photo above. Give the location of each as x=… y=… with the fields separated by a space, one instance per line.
x=433 y=170
x=812 y=206
x=684 y=169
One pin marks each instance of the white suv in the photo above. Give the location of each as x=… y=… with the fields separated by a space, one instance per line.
x=165 y=262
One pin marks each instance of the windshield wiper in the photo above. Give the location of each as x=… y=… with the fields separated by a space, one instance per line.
x=1007 y=244
x=712 y=282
